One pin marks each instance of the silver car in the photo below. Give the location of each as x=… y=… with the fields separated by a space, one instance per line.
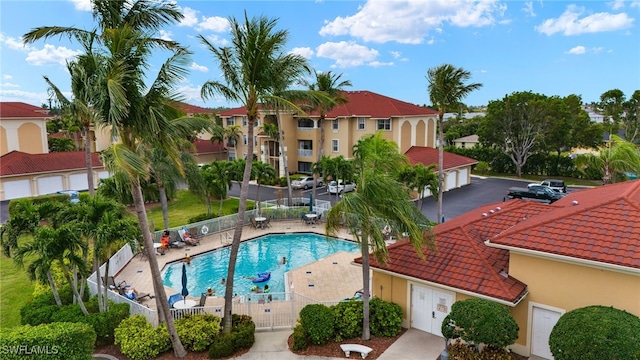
x=305 y=183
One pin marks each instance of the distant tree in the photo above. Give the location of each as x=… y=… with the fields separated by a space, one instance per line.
x=595 y=333
x=421 y=178
x=516 y=124
x=613 y=161
x=612 y=107
x=61 y=144
x=632 y=118
x=263 y=172
x=456 y=128
x=217 y=180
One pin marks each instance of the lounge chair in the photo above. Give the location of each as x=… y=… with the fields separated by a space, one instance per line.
x=138 y=298
x=182 y=233
x=111 y=283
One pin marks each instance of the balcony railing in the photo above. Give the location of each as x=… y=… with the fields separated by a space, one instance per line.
x=305 y=153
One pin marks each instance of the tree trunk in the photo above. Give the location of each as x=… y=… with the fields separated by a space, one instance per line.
x=440 y=164
x=96 y=267
x=87 y=158
x=319 y=157
x=165 y=206
x=220 y=209
x=76 y=295
x=237 y=234
x=158 y=288
x=366 y=332
x=283 y=155
x=258 y=198
x=54 y=289
x=104 y=283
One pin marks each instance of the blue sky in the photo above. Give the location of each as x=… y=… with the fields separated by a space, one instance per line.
x=549 y=47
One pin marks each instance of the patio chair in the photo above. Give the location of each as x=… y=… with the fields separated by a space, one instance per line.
x=319 y=218
x=203 y=300
x=267 y=223
x=174 y=299
x=111 y=283
x=254 y=223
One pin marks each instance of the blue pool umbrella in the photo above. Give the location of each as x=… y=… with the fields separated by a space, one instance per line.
x=185 y=292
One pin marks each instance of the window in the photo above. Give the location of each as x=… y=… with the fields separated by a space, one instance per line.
x=334 y=145
x=305 y=123
x=232 y=156
x=384 y=124
x=244 y=121
x=231 y=121
x=255 y=141
x=360 y=123
x=256 y=123
x=462 y=145
x=245 y=140
x=304 y=167
x=335 y=124
x=305 y=148
x=231 y=142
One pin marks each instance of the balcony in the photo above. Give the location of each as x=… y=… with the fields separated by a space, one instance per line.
x=305 y=153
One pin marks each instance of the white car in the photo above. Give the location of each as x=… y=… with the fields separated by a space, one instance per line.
x=340 y=187
x=305 y=183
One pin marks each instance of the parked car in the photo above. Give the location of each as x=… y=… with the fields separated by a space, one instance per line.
x=555 y=185
x=535 y=192
x=305 y=183
x=340 y=187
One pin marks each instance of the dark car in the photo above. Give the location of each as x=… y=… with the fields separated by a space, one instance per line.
x=555 y=185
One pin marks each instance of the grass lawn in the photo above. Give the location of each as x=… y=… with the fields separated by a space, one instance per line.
x=185 y=206
x=16 y=290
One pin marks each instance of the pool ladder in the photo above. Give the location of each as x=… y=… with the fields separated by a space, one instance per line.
x=226 y=238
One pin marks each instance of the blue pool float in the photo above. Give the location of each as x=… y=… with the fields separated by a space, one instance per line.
x=262 y=277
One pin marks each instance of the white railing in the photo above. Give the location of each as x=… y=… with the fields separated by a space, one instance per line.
x=116 y=263
x=226 y=238
x=305 y=153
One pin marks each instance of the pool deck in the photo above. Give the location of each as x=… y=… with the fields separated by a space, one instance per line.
x=330 y=279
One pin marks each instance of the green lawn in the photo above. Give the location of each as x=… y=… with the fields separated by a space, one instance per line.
x=16 y=290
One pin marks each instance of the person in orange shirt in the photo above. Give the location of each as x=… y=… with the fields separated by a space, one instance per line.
x=164 y=242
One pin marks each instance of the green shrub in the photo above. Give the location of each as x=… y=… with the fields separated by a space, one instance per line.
x=222 y=347
x=244 y=334
x=482 y=167
x=459 y=350
x=596 y=332
x=67 y=313
x=479 y=321
x=318 y=321
x=48 y=341
x=197 y=332
x=138 y=340
x=36 y=315
x=348 y=319
x=105 y=323
x=300 y=337
x=283 y=181
x=201 y=217
x=385 y=318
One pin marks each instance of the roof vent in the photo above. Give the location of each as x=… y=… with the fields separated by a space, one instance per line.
x=484 y=214
x=574 y=202
x=498 y=208
x=491 y=211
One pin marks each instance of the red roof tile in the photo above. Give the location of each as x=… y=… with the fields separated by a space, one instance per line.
x=598 y=224
x=428 y=156
x=364 y=104
x=22 y=110
x=206 y=146
x=192 y=109
x=461 y=259
x=20 y=163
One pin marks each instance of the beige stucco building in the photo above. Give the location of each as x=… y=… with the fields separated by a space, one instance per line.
x=364 y=113
x=23 y=127
x=538 y=260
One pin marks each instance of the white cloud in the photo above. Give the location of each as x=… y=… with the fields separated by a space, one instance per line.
x=13 y=43
x=50 y=55
x=616 y=4
x=409 y=21
x=483 y=71
x=570 y=23
x=190 y=17
x=165 y=35
x=395 y=54
x=7 y=77
x=24 y=96
x=635 y=3
x=9 y=85
x=213 y=23
x=197 y=67
x=82 y=5
x=379 y=64
x=346 y=54
x=578 y=50
x=305 y=52
x=217 y=40
x=190 y=93
x=527 y=8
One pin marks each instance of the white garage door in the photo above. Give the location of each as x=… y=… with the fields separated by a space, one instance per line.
x=78 y=182
x=451 y=180
x=429 y=307
x=543 y=322
x=17 y=189
x=49 y=185
x=103 y=174
x=463 y=177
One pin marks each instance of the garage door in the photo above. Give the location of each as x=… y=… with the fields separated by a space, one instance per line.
x=463 y=177
x=49 y=185
x=103 y=174
x=429 y=307
x=78 y=182
x=451 y=180
x=17 y=189
x=543 y=322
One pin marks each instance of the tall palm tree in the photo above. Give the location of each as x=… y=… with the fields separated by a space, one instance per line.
x=217 y=176
x=613 y=161
x=446 y=89
x=379 y=200
x=135 y=113
x=420 y=177
x=249 y=66
x=233 y=134
x=330 y=84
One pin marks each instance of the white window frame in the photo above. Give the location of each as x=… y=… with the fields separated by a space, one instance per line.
x=231 y=121
x=335 y=124
x=335 y=145
x=361 y=123
x=245 y=139
x=245 y=121
x=382 y=124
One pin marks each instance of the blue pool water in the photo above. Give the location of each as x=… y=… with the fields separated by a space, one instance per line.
x=254 y=256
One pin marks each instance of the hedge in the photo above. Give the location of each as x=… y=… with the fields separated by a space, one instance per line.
x=139 y=340
x=48 y=341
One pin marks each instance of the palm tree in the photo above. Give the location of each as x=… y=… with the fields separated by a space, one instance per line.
x=613 y=161
x=249 y=66
x=446 y=89
x=262 y=172
x=330 y=84
x=217 y=178
x=233 y=134
x=379 y=200
x=420 y=177
x=135 y=113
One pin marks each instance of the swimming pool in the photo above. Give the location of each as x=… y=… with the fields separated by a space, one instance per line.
x=254 y=256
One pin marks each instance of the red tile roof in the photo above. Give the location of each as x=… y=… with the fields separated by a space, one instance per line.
x=206 y=146
x=22 y=110
x=364 y=104
x=20 y=163
x=461 y=259
x=192 y=109
x=598 y=224
x=428 y=156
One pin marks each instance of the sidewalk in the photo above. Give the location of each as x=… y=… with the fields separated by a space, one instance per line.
x=412 y=345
